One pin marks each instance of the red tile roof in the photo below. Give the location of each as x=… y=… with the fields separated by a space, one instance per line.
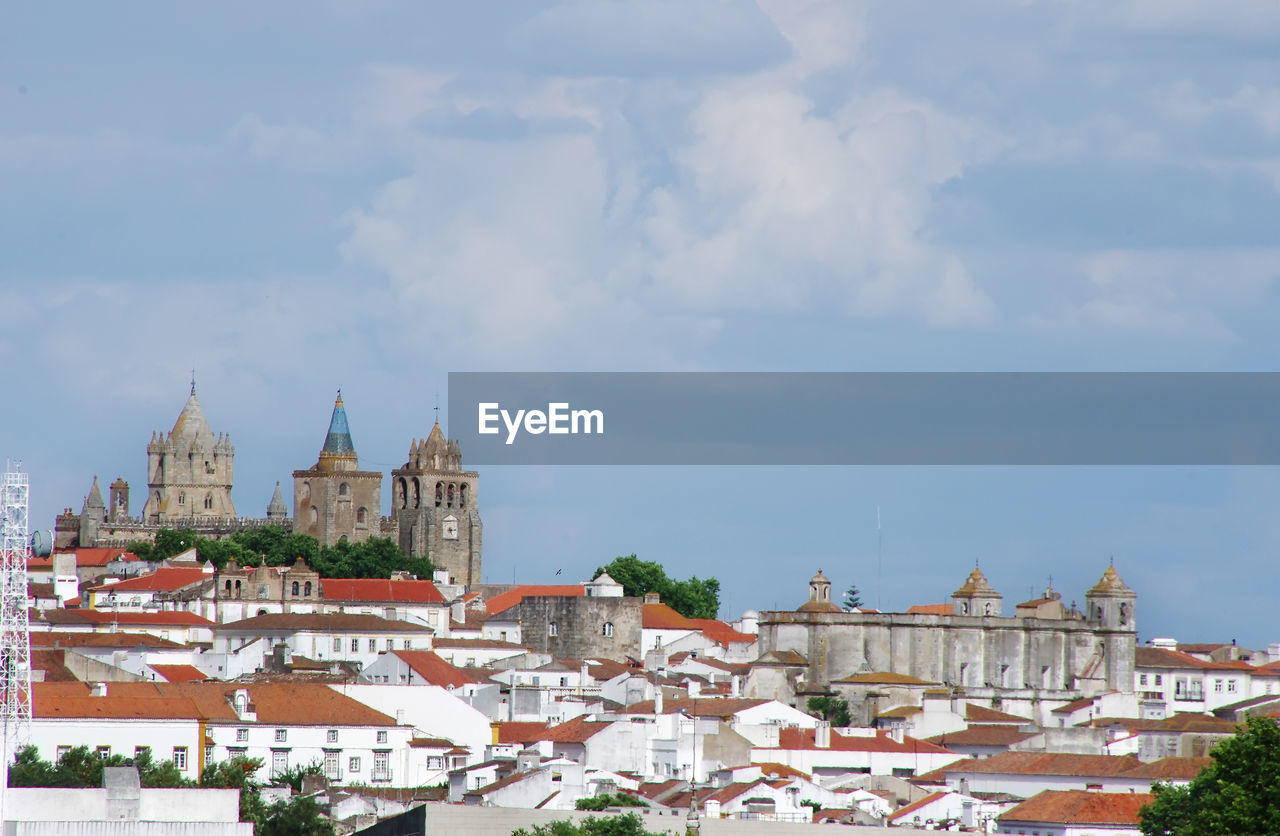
x=1170 y=769
x=54 y=665
x=507 y=600
x=58 y=638
x=161 y=580
x=577 y=730
x=662 y=617
x=381 y=590
x=433 y=669
x=796 y=738
x=180 y=673
x=1159 y=657
x=929 y=609
x=1046 y=763
x=519 y=732
x=981 y=714
x=723 y=707
x=166 y=618
x=84 y=557
x=883 y=678
x=1080 y=807
x=342 y=622
x=496 y=644
x=982 y=735
x=722 y=633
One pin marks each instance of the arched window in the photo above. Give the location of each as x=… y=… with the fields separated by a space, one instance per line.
x=361 y=515
x=987 y=610
x=294 y=589
x=306 y=589
x=553 y=629
x=208 y=501
x=182 y=499
x=344 y=489
x=262 y=611
x=315 y=515
x=237 y=589
x=964 y=607
x=607 y=630
x=402 y=492
x=450 y=494
x=462 y=496
x=1124 y=614
x=304 y=491
x=228 y=586
x=439 y=493
x=417 y=493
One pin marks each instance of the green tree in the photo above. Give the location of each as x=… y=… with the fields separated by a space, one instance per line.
x=852 y=598
x=28 y=770
x=237 y=773
x=606 y=800
x=832 y=709
x=299 y=816
x=625 y=825
x=693 y=598
x=293 y=776
x=82 y=767
x=1237 y=793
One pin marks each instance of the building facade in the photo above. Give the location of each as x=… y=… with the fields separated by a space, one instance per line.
x=335 y=500
x=435 y=506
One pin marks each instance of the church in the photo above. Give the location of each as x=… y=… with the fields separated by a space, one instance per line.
x=190 y=473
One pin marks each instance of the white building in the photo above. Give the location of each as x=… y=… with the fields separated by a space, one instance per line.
x=325 y=637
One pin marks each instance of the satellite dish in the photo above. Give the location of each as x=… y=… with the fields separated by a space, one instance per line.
x=41 y=542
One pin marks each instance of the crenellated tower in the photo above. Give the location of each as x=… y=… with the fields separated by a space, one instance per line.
x=436 y=507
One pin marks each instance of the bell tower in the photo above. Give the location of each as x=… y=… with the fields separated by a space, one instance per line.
x=335 y=500
x=976 y=597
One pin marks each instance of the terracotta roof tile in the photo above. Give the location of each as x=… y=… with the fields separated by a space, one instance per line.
x=381 y=590
x=883 y=678
x=59 y=638
x=909 y=809
x=1170 y=769
x=1047 y=763
x=342 y=622
x=507 y=600
x=84 y=557
x=54 y=665
x=495 y=644
x=433 y=669
x=1080 y=807
x=929 y=609
x=981 y=714
x=663 y=617
x=161 y=580
x=577 y=730
x=167 y=618
x=180 y=673
x=794 y=738
x=519 y=732
x=982 y=735
x=722 y=633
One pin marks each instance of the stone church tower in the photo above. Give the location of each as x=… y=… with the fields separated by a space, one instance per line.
x=436 y=507
x=336 y=500
x=189 y=471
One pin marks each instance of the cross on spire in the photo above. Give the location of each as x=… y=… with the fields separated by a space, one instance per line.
x=193 y=380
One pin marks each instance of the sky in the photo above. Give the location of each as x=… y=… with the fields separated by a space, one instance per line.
x=295 y=197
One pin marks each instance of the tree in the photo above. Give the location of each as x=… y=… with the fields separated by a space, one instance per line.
x=626 y=825
x=693 y=598
x=299 y=816
x=606 y=800
x=237 y=773
x=82 y=767
x=1239 y=792
x=832 y=709
x=852 y=598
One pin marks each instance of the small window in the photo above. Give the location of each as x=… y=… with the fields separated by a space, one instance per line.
x=208 y=753
x=182 y=499
x=104 y=752
x=331 y=736
x=63 y=751
x=373 y=645
x=282 y=735
x=607 y=630
x=1159 y=679
x=293 y=590
x=242 y=735
x=1142 y=679
x=306 y=589
x=331 y=765
x=355 y=645
x=139 y=750
x=353 y=764
x=362 y=516
x=391 y=644
x=553 y=629
x=408 y=644
x=337 y=645
x=344 y=489
x=180 y=757
x=382 y=735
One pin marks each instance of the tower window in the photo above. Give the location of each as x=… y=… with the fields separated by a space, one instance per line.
x=361 y=516
x=208 y=501
x=315 y=515
x=462 y=496
x=344 y=489
x=228 y=587
x=439 y=493
x=294 y=589
x=450 y=494
x=553 y=629
x=306 y=589
x=607 y=630
x=182 y=499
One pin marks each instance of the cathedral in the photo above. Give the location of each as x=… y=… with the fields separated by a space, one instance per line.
x=190 y=472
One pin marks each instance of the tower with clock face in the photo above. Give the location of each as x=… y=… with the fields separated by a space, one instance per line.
x=435 y=504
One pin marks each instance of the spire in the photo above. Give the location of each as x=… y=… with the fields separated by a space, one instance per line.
x=94 y=500
x=436 y=440
x=276 y=510
x=191 y=424
x=338 y=441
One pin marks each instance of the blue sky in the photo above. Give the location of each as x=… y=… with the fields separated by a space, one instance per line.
x=293 y=197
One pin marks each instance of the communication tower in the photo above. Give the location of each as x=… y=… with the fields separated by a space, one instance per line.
x=15 y=639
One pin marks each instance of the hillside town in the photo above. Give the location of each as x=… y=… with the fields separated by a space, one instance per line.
x=433 y=698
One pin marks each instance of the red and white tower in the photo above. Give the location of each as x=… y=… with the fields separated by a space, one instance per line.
x=15 y=639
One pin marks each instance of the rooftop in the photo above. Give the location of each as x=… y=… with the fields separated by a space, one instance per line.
x=1080 y=807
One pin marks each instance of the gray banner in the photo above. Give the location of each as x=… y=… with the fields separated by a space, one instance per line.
x=866 y=418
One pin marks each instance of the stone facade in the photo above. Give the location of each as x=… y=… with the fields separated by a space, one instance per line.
x=435 y=504
x=335 y=500
x=581 y=627
x=988 y=656
x=189 y=471
x=245 y=592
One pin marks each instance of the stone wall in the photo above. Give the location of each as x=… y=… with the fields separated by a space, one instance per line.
x=581 y=626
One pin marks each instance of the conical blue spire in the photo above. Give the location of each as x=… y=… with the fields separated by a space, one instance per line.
x=338 y=441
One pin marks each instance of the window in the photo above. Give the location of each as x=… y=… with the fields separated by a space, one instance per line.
x=279 y=762
x=1142 y=679
x=361 y=515
x=1159 y=679
x=435 y=762
x=306 y=589
x=208 y=753
x=373 y=645
x=553 y=629
x=382 y=766
x=208 y=501
x=237 y=752
x=353 y=764
x=337 y=645
x=182 y=499
x=180 y=757
x=104 y=752
x=408 y=644
x=391 y=644
x=138 y=750
x=382 y=736
x=282 y=735
x=242 y=735
x=1231 y=685
x=63 y=750
x=564 y=682
x=332 y=768
x=344 y=489
x=607 y=630
x=228 y=588
x=293 y=590
x=331 y=736
x=355 y=645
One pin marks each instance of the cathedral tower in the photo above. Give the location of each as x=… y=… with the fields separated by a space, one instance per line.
x=436 y=507
x=189 y=471
x=335 y=500
x=976 y=597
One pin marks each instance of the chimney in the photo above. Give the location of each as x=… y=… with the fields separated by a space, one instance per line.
x=458 y=611
x=400 y=717
x=895 y=734
x=735 y=686
x=657 y=699
x=98 y=689
x=694 y=687
x=822 y=735
x=1273 y=652
x=1165 y=644
x=652 y=598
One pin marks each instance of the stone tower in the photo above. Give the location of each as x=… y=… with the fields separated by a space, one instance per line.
x=976 y=597
x=92 y=515
x=118 y=508
x=1110 y=606
x=189 y=471
x=335 y=500
x=277 y=511
x=436 y=507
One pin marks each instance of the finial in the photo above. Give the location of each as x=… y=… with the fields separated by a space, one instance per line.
x=193 y=380
x=437 y=406
x=1113 y=561
x=338 y=402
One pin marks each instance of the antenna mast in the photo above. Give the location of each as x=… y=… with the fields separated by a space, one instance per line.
x=15 y=638
x=879 y=563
